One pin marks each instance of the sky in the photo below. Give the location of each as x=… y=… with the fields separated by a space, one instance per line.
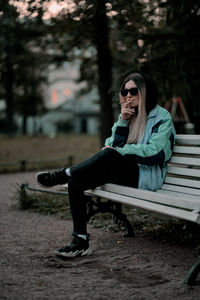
x=53 y=7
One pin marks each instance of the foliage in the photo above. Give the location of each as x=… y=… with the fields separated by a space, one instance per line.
x=109 y=38
x=157 y=37
x=22 y=63
x=86 y=28
x=174 y=45
x=45 y=204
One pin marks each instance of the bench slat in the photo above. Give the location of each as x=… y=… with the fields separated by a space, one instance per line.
x=190 y=139
x=185 y=161
x=179 y=195
x=181 y=189
x=183 y=182
x=193 y=204
x=167 y=210
x=186 y=150
x=183 y=171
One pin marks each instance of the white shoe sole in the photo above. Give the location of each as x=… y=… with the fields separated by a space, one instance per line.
x=74 y=254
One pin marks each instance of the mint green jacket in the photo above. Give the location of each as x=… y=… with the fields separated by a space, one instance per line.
x=153 y=152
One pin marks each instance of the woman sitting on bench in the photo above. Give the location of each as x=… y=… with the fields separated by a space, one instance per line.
x=135 y=155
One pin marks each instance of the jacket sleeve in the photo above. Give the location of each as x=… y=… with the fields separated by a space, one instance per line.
x=158 y=149
x=119 y=133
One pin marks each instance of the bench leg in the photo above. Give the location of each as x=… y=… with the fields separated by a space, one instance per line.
x=193 y=273
x=119 y=216
x=98 y=206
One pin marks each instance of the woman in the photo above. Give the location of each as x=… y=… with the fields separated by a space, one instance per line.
x=135 y=155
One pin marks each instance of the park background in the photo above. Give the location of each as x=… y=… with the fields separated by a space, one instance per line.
x=61 y=65
x=61 y=62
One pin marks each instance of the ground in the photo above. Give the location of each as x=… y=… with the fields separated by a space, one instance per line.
x=119 y=268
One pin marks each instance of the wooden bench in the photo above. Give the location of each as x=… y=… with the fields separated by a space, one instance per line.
x=179 y=196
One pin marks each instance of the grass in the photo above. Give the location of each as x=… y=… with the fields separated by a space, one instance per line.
x=48 y=204
x=44 y=152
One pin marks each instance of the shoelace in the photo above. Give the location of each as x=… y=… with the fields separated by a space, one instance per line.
x=54 y=176
x=58 y=175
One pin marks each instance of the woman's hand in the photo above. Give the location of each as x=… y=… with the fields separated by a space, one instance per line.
x=107 y=147
x=126 y=110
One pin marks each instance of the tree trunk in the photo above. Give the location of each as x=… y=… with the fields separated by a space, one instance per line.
x=9 y=92
x=104 y=61
x=8 y=79
x=24 y=124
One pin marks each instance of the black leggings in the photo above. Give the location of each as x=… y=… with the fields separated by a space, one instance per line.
x=106 y=166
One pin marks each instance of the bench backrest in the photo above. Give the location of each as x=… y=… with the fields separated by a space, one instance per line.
x=184 y=166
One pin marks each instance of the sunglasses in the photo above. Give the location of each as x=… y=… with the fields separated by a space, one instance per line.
x=133 y=91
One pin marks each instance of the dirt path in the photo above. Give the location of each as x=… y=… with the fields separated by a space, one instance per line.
x=119 y=268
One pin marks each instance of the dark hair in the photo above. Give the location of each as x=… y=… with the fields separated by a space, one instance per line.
x=141 y=80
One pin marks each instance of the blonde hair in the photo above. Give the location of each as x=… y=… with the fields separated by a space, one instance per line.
x=137 y=123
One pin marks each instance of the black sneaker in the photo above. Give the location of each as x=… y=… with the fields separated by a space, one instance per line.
x=78 y=247
x=49 y=179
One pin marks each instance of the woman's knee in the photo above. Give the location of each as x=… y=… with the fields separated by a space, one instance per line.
x=108 y=150
x=110 y=154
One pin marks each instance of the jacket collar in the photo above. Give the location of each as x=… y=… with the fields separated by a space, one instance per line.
x=153 y=112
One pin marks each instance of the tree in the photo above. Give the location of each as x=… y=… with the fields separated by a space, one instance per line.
x=23 y=63
x=114 y=37
x=8 y=26
x=29 y=95
x=104 y=62
x=87 y=27
x=172 y=49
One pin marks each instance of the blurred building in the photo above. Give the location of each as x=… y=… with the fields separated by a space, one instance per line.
x=67 y=112
x=75 y=115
